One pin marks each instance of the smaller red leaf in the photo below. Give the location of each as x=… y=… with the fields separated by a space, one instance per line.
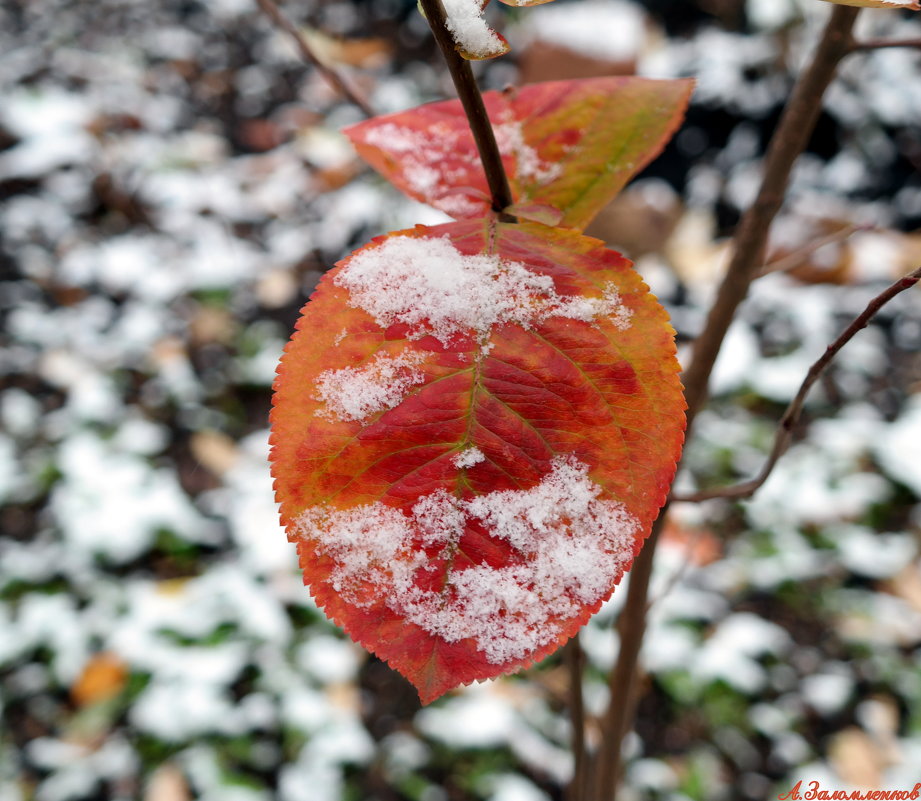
x=571 y=145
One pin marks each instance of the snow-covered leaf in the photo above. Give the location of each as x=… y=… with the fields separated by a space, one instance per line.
x=571 y=145
x=474 y=427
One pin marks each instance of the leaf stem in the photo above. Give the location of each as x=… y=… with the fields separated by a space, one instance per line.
x=794 y=411
x=789 y=140
x=474 y=108
x=273 y=12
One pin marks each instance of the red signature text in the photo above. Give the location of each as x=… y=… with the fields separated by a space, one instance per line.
x=812 y=791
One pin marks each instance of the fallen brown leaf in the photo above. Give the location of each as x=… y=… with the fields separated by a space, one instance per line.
x=103 y=677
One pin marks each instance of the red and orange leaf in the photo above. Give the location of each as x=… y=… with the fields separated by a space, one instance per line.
x=474 y=427
x=572 y=145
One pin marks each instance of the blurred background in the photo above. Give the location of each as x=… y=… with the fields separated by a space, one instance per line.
x=172 y=185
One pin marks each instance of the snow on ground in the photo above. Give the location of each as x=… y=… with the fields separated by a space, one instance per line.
x=172 y=186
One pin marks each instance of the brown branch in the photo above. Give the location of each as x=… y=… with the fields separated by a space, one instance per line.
x=474 y=108
x=794 y=411
x=574 y=664
x=631 y=626
x=789 y=140
x=879 y=44
x=273 y=12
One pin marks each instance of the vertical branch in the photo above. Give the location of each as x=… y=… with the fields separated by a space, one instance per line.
x=789 y=140
x=474 y=108
x=631 y=626
x=574 y=663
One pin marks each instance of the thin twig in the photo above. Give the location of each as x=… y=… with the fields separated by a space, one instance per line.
x=273 y=12
x=474 y=108
x=683 y=568
x=574 y=664
x=879 y=44
x=798 y=257
x=789 y=141
x=794 y=411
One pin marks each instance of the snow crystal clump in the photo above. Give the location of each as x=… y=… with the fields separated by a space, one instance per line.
x=432 y=287
x=608 y=305
x=510 y=139
x=370 y=544
x=436 y=161
x=468 y=458
x=395 y=138
x=567 y=547
x=355 y=393
x=469 y=29
x=433 y=162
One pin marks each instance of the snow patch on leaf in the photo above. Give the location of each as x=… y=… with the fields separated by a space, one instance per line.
x=435 y=163
x=587 y=309
x=566 y=546
x=356 y=393
x=468 y=458
x=510 y=139
x=397 y=139
x=473 y=37
x=430 y=286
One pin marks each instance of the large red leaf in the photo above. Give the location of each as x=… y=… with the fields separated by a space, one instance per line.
x=474 y=427
x=572 y=145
